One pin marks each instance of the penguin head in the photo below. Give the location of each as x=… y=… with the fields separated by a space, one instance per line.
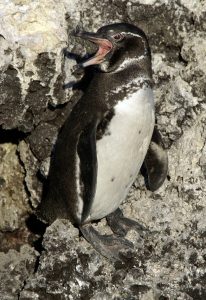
x=120 y=45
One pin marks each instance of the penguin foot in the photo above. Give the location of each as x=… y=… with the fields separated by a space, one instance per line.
x=109 y=246
x=121 y=225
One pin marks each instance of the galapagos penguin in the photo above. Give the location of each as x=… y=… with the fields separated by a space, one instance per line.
x=105 y=140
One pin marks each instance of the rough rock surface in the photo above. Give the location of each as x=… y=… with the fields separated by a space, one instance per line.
x=15 y=268
x=36 y=59
x=14 y=201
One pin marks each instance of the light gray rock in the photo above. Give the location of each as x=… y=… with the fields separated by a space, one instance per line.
x=15 y=268
x=70 y=268
x=13 y=198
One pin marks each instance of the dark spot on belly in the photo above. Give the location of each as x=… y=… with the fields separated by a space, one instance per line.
x=130 y=176
x=112 y=179
x=139 y=131
x=108 y=133
x=102 y=128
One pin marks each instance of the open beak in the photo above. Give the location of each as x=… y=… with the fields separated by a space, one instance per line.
x=105 y=46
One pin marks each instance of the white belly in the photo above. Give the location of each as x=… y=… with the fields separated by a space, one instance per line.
x=121 y=154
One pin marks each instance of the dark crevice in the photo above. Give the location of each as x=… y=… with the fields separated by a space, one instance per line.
x=13 y=136
x=181 y=59
x=19 y=293
x=40 y=176
x=35 y=225
x=26 y=189
x=37 y=262
x=38 y=228
x=60 y=106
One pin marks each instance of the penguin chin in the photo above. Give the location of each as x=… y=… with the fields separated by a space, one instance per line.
x=104 y=66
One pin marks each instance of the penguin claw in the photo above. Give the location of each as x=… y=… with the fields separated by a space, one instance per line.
x=108 y=246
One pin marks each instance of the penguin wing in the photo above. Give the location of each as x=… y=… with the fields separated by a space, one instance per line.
x=156 y=162
x=86 y=149
x=73 y=171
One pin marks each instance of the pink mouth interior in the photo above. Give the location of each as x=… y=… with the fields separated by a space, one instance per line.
x=105 y=46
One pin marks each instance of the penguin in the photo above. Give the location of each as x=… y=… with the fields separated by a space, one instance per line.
x=106 y=139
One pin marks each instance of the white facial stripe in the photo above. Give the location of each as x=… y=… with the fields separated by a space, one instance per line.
x=143 y=40
x=128 y=62
x=130 y=33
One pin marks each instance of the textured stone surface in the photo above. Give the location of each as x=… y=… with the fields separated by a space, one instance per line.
x=34 y=35
x=15 y=268
x=36 y=62
x=70 y=268
x=31 y=167
x=13 y=198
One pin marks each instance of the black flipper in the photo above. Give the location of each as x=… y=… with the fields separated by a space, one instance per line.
x=88 y=166
x=156 y=162
x=60 y=198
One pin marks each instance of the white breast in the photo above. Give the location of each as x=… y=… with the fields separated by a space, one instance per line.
x=121 y=153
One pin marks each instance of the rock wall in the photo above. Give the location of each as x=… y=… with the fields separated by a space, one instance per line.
x=36 y=95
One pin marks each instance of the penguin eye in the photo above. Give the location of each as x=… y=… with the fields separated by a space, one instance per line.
x=118 y=37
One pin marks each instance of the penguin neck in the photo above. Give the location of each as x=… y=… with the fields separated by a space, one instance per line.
x=129 y=87
x=129 y=68
x=134 y=70
x=128 y=62
x=125 y=83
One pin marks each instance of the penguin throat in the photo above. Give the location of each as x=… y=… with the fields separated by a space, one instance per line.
x=105 y=46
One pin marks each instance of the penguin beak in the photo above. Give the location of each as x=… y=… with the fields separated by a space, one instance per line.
x=105 y=46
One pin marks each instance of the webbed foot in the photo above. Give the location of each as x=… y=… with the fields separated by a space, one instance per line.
x=121 y=225
x=113 y=245
x=110 y=246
